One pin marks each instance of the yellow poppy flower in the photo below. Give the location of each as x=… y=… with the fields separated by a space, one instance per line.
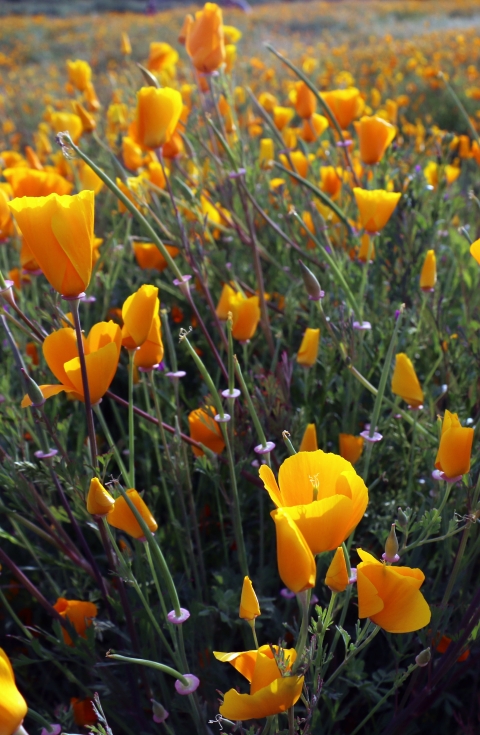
x=78 y=613
x=13 y=707
x=455 y=448
x=376 y=206
x=122 y=517
x=337 y=575
x=405 y=382
x=249 y=607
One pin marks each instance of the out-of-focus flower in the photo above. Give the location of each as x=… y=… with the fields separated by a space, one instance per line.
x=305 y=101
x=282 y=116
x=366 y=251
x=455 y=448
x=376 y=207
x=158 y=112
x=148 y=256
x=187 y=24
x=270 y=692
x=231 y=34
x=308 y=352
x=99 y=500
x=249 y=607
x=6 y=220
x=27 y=182
x=444 y=644
x=88 y=121
x=78 y=613
x=204 y=429
x=309 y=440
x=337 y=575
x=266 y=153
x=79 y=74
x=350 y=447
x=59 y=233
x=62 y=122
x=432 y=172
x=125 y=45
x=405 y=382
x=204 y=40
x=83 y=712
x=89 y=181
x=322 y=496
x=161 y=56
x=102 y=351
x=299 y=161
x=345 y=104
x=428 y=276
x=390 y=596
x=13 y=707
x=122 y=517
x=375 y=135
x=138 y=312
x=313 y=127
x=331 y=180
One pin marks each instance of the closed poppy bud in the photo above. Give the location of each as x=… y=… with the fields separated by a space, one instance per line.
x=308 y=352
x=310 y=282
x=266 y=153
x=309 y=439
x=299 y=161
x=391 y=546
x=390 y=596
x=296 y=564
x=79 y=73
x=78 y=613
x=376 y=207
x=204 y=429
x=122 y=517
x=375 y=135
x=187 y=23
x=475 y=250
x=428 y=276
x=148 y=256
x=59 y=234
x=270 y=691
x=246 y=315
x=350 y=447
x=99 y=500
x=305 y=103
x=158 y=112
x=138 y=312
x=282 y=116
x=249 y=607
x=455 y=448
x=13 y=707
x=88 y=121
x=67 y=122
x=405 y=382
x=33 y=159
x=226 y=297
x=337 y=574
x=366 y=251
x=204 y=41
x=331 y=180
x=345 y=104
x=125 y=45
x=132 y=153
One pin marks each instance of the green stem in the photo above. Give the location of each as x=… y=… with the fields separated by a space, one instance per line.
x=112 y=445
x=151 y=664
x=354 y=653
x=304 y=604
x=131 y=422
x=391 y=691
x=74 y=303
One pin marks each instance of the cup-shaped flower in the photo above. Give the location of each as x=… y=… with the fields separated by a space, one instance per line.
x=28 y=182
x=158 y=112
x=298 y=160
x=249 y=607
x=331 y=180
x=337 y=574
x=405 y=382
x=350 y=447
x=138 y=313
x=13 y=707
x=161 y=56
x=305 y=102
x=428 y=275
x=375 y=135
x=376 y=207
x=390 y=596
x=204 y=42
x=79 y=74
x=148 y=256
x=296 y=564
x=99 y=500
x=78 y=613
x=282 y=116
x=345 y=104
x=246 y=315
x=309 y=440
x=308 y=352
x=455 y=448
x=122 y=517
x=59 y=233
x=323 y=495
x=204 y=429
x=270 y=692
x=102 y=352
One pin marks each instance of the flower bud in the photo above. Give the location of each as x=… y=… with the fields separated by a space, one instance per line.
x=402 y=518
x=423 y=658
x=312 y=285
x=160 y=714
x=34 y=393
x=391 y=546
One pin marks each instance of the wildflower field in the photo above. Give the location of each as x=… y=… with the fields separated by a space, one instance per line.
x=239 y=396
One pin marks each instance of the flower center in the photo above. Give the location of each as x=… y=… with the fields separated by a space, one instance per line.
x=315 y=485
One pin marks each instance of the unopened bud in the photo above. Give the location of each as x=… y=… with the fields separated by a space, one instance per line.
x=312 y=285
x=423 y=658
x=319 y=626
x=391 y=546
x=160 y=714
x=34 y=393
x=402 y=519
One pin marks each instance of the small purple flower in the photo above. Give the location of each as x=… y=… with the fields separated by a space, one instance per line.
x=54 y=730
x=287 y=594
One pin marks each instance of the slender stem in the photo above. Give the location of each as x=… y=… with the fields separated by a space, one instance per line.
x=391 y=691
x=291 y=721
x=152 y=664
x=86 y=389
x=131 y=423
x=372 y=635
x=14 y=616
x=304 y=604
x=112 y=445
